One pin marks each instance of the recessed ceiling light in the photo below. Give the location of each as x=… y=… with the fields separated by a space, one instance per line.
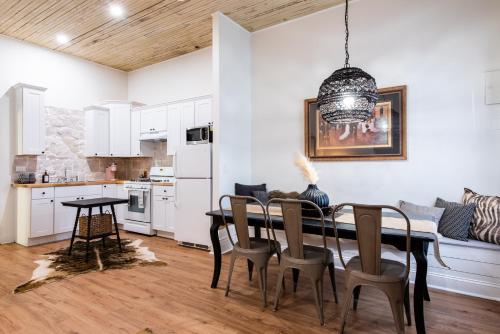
x=116 y=10
x=62 y=39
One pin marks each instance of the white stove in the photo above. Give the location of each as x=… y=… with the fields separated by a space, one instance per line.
x=138 y=214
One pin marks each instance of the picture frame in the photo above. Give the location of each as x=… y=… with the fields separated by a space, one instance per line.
x=382 y=137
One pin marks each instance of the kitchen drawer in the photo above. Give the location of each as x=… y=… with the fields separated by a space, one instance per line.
x=79 y=191
x=42 y=193
x=163 y=191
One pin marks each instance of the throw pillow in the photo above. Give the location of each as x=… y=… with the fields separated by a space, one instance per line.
x=486 y=223
x=262 y=196
x=425 y=212
x=247 y=190
x=456 y=219
x=283 y=195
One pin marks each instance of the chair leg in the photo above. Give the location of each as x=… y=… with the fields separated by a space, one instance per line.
x=231 y=267
x=347 y=304
x=262 y=272
x=397 y=312
x=356 y=293
x=407 y=304
x=318 y=297
x=331 y=270
x=295 y=274
x=278 y=255
x=278 y=288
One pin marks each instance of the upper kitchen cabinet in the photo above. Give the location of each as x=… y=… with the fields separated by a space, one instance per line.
x=30 y=119
x=119 y=130
x=154 y=122
x=135 y=133
x=97 y=131
x=173 y=128
x=202 y=112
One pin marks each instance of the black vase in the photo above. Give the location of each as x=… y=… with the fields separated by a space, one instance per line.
x=313 y=194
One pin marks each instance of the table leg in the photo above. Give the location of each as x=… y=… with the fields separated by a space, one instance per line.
x=257 y=231
x=250 y=269
x=419 y=289
x=74 y=231
x=214 y=235
x=103 y=238
x=427 y=297
x=116 y=228
x=89 y=228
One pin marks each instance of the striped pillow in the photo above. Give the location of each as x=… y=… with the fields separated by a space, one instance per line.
x=486 y=223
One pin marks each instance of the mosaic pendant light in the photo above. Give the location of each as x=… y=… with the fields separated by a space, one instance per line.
x=349 y=95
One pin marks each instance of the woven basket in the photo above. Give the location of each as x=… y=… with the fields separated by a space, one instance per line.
x=101 y=224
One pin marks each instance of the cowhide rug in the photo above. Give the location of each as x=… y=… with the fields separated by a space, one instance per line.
x=59 y=265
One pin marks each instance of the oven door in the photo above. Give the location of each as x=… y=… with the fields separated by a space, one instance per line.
x=139 y=206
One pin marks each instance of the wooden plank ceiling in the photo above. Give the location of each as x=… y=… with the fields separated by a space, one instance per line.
x=150 y=31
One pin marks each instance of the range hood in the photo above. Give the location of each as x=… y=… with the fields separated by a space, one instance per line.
x=154 y=136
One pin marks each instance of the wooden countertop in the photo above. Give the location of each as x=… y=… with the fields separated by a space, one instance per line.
x=163 y=184
x=67 y=184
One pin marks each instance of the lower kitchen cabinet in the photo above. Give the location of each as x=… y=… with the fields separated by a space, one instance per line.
x=42 y=218
x=64 y=217
x=163 y=214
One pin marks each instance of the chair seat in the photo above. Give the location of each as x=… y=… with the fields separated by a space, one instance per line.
x=390 y=270
x=312 y=255
x=258 y=245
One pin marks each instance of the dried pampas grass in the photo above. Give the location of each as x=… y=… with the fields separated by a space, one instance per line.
x=306 y=168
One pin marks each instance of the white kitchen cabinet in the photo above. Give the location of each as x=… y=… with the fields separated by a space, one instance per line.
x=109 y=190
x=64 y=217
x=121 y=209
x=119 y=129
x=97 y=127
x=187 y=116
x=173 y=128
x=202 y=112
x=163 y=214
x=30 y=119
x=42 y=217
x=135 y=133
x=154 y=119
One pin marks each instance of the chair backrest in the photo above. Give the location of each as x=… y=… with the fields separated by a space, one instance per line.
x=291 y=210
x=368 y=224
x=240 y=219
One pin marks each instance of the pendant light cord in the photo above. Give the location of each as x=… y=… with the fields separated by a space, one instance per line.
x=347 y=34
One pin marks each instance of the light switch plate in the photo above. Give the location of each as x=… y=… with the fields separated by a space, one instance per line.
x=492 y=87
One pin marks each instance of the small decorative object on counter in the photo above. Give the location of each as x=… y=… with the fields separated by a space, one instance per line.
x=25 y=178
x=111 y=172
x=312 y=193
x=45 y=177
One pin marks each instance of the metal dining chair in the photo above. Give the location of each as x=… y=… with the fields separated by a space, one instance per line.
x=257 y=251
x=369 y=268
x=310 y=260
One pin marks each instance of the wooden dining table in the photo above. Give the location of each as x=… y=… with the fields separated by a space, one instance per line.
x=397 y=238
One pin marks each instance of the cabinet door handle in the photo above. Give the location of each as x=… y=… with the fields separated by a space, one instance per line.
x=51 y=201
x=95 y=154
x=43 y=193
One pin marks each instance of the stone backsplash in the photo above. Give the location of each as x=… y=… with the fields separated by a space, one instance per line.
x=65 y=151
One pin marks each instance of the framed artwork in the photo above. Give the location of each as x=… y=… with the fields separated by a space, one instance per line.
x=382 y=137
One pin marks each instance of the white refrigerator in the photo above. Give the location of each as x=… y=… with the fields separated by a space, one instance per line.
x=193 y=198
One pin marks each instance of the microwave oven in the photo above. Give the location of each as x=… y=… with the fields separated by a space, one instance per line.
x=199 y=135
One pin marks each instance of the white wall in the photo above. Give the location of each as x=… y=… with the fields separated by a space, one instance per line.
x=175 y=79
x=72 y=83
x=440 y=49
x=232 y=75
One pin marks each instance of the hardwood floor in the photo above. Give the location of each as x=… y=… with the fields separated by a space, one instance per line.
x=177 y=299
